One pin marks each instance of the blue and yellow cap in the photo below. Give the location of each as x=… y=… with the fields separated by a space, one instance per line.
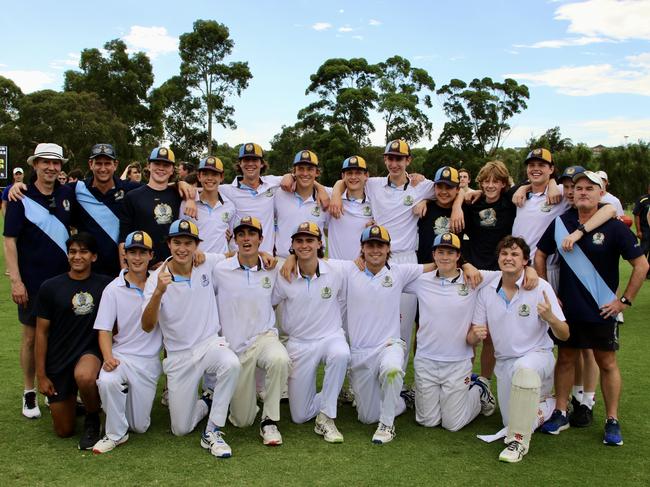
x=354 y=162
x=571 y=171
x=397 y=147
x=376 y=233
x=106 y=150
x=447 y=240
x=543 y=155
x=306 y=157
x=307 y=228
x=184 y=228
x=138 y=240
x=447 y=175
x=251 y=149
x=211 y=163
x=162 y=154
x=248 y=222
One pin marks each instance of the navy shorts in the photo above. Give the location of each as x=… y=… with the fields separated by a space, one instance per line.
x=27 y=314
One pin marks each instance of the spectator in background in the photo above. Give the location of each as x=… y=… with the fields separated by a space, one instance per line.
x=465 y=179
x=609 y=197
x=641 y=222
x=62 y=177
x=75 y=175
x=19 y=174
x=184 y=170
x=133 y=173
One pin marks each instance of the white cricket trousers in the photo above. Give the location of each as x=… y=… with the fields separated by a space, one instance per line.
x=267 y=353
x=127 y=393
x=442 y=393
x=184 y=370
x=408 y=305
x=376 y=377
x=304 y=402
x=541 y=361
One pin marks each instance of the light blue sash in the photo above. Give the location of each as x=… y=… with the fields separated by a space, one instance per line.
x=583 y=268
x=98 y=211
x=48 y=223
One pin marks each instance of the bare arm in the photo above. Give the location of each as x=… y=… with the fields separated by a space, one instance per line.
x=639 y=272
x=603 y=215
x=45 y=385
x=106 y=346
x=336 y=200
x=457 y=220
x=540 y=263
x=637 y=224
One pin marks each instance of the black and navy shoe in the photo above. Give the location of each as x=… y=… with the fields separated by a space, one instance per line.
x=613 y=436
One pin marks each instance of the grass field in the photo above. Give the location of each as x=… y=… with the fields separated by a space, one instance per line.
x=32 y=455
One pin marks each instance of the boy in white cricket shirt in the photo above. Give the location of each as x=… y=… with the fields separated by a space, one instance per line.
x=129 y=375
x=215 y=212
x=518 y=322
x=244 y=286
x=180 y=300
x=312 y=320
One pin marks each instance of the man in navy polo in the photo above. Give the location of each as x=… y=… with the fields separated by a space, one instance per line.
x=589 y=277
x=35 y=232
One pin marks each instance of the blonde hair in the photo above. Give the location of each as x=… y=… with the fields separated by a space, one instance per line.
x=496 y=170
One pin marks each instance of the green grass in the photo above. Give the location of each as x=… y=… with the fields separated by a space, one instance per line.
x=32 y=455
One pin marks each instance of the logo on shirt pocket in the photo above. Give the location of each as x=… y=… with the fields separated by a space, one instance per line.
x=545 y=208
x=462 y=290
x=408 y=200
x=315 y=211
x=266 y=282
x=598 y=238
x=83 y=303
x=204 y=280
x=119 y=195
x=268 y=193
x=225 y=217
x=387 y=282
x=66 y=205
x=524 y=310
x=367 y=211
x=326 y=293
x=162 y=213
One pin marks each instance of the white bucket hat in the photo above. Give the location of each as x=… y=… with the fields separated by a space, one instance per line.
x=47 y=151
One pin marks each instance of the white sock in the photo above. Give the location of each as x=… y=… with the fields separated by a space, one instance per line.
x=577 y=392
x=25 y=391
x=589 y=399
x=210 y=427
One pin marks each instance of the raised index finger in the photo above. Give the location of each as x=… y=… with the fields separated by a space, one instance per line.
x=546 y=298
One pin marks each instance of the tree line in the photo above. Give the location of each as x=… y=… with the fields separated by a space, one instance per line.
x=111 y=97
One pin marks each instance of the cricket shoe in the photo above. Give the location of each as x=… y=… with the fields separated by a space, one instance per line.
x=383 y=434
x=92 y=432
x=346 y=396
x=409 y=398
x=164 y=398
x=327 y=429
x=270 y=433
x=557 y=423
x=488 y=402
x=613 y=436
x=513 y=453
x=106 y=444
x=581 y=416
x=213 y=441
x=30 y=405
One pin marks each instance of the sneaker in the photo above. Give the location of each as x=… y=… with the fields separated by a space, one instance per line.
x=206 y=397
x=91 y=434
x=346 y=396
x=513 y=453
x=575 y=404
x=581 y=416
x=488 y=402
x=327 y=429
x=106 y=444
x=613 y=435
x=270 y=433
x=164 y=399
x=384 y=434
x=409 y=398
x=213 y=441
x=555 y=424
x=30 y=405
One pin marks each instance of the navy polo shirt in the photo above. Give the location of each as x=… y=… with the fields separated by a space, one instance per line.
x=39 y=257
x=603 y=247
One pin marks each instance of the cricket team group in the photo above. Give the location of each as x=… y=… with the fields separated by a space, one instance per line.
x=224 y=288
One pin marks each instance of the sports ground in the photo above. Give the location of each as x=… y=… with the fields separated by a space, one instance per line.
x=33 y=455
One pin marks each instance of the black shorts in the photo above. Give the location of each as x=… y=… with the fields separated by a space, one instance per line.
x=27 y=314
x=64 y=382
x=598 y=336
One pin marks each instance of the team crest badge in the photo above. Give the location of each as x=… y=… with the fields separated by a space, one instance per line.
x=462 y=290
x=249 y=148
x=119 y=195
x=204 y=280
x=269 y=193
x=441 y=225
x=315 y=211
x=66 y=205
x=326 y=293
x=598 y=238
x=353 y=160
x=545 y=208
x=488 y=217
x=367 y=211
x=305 y=155
x=524 y=310
x=184 y=225
x=162 y=213
x=225 y=217
x=408 y=200
x=446 y=173
x=266 y=282
x=162 y=152
x=570 y=170
x=137 y=237
x=82 y=303
x=387 y=282
x=394 y=145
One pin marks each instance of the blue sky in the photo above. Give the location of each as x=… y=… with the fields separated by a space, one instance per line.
x=586 y=62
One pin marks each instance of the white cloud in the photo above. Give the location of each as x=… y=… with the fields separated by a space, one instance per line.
x=618 y=130
x=616 y=19
x=321 y=26
x=374 y=22
x=346 y=28
x=639 y=61
x=555 y=44
x=359 y=38
x=29 y=80
x=154 y=41
x=72 y=61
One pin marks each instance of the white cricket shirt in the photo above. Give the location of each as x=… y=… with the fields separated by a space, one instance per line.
x=344 y=233
x=614 y=201
x=213 y=223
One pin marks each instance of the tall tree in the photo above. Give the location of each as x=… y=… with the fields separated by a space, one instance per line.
x=10 y=97
x=478 y=113
x=122 y=82
x=346 y=92
x=202 y=52
x=552 y=140
x=402 y=97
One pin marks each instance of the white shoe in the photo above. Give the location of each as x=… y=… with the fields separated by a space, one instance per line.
x=106 y=444
x=270 y=435
x=30 y=405
x=384 y=434
x=327 y=429
x=488 y=401
x=214 y=442
x=164 y=399
x=513 y=453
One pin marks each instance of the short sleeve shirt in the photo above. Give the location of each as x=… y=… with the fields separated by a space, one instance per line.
x=213 y=221
x=641 y=210
x=344 y=233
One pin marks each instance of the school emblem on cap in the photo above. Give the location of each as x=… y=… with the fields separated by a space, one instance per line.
x=137 y=237
x=367 y=211
x=394 y=145
x=225 y=217
x=184 y=225
x=524 y=310
x=266 y=282
x=162 y=152
x=446 y=237
x=488 y=217
x=374 y=231
x=353 y=160
x=598 y=238
x=83 y=303
x=446 y=173
x=408 y=200
x=204 y=280
x=326 y=293
x=387 y=282
x=249 y=147
x=304 y=227
x=571 y=170
x=162 y=213
x=66 y=205
x=537 y=152
x=305 y=154
x=315 y=211
x=462 y=290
